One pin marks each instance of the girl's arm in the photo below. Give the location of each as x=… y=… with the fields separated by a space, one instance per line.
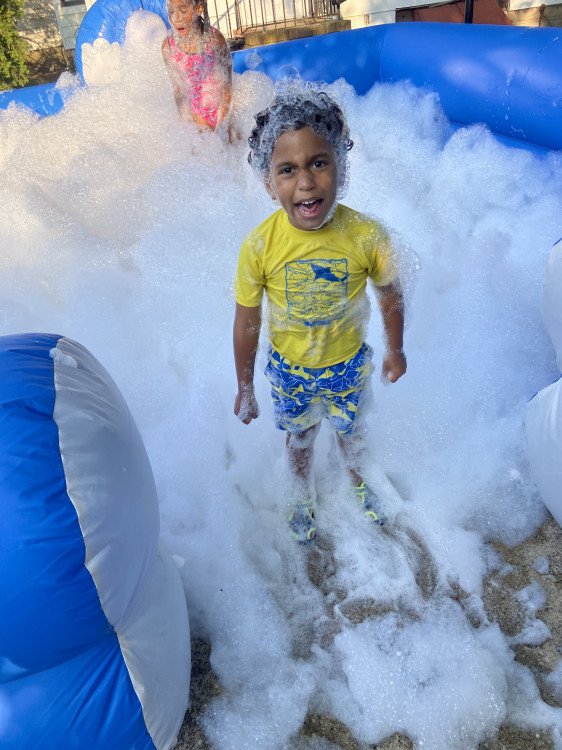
x=224 y=74
x=247 y=323
x=180 y=95
x=391 y=304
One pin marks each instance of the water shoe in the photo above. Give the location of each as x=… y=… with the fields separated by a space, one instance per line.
x=301 y=522
x=369 y=503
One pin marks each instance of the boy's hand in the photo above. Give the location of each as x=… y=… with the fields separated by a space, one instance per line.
x=392 y=308
x=393 y=365
x=245 y=405
x=246 y=335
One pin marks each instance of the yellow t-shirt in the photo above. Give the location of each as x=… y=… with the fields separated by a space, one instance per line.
x=315 y=283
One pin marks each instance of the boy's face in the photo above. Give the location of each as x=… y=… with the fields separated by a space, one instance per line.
x=303 y=177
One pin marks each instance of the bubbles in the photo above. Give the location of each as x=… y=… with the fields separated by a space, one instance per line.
x=299 y=104
x=554 y=680
x=145 y=29
x=252 y=60
x=61 y=358
x=121 y=227
x=289 y=74
x=426 y=684
x=541 y=565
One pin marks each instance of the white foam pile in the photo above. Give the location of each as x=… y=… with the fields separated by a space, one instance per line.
x=120 y=228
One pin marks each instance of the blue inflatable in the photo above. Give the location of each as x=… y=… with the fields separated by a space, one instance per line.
x=108 y=21
x=94 y=635
x=509 y=78
x=89 y=602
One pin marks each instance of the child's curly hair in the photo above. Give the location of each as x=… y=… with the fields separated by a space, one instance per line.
x=299 y=106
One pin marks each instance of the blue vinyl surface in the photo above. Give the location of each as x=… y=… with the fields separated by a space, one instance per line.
x=509 y=78
x=55 y=639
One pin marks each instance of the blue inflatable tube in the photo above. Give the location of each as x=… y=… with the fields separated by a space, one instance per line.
x=94 y=632
x=108 y=19
x=43 y=100
x=509 y=78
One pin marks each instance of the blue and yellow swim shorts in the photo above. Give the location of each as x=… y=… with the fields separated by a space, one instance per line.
x=303 y=396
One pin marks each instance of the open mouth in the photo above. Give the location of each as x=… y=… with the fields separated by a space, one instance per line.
x=310 y=209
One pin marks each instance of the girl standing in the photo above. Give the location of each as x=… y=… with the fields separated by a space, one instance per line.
x=199 y=64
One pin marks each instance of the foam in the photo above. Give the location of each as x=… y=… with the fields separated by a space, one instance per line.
x=120 y=228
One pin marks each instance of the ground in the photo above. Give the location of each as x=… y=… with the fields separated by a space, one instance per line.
x=502 y=607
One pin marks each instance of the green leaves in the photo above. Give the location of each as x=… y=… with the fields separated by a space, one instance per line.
x=13 y=49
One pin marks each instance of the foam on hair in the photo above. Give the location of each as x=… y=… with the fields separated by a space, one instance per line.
x=204 y=19
x=297 y=105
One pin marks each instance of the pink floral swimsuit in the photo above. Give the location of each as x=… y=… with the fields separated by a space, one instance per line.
x=198 y=71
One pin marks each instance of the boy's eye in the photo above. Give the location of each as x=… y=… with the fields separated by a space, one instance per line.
x=319 y=163
x=285 y=170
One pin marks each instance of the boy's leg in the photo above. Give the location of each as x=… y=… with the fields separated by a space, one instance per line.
x=347 y=410
x=295 y=411
x=300 y=447
x=353 y=448
x=300 y=451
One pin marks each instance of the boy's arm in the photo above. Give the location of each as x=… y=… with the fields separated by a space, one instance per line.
x=392 y=308
x=247 y=323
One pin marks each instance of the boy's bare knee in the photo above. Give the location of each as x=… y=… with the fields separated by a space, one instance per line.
x=302 y=440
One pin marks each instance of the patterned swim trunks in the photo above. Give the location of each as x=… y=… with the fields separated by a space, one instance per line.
x=303 y=396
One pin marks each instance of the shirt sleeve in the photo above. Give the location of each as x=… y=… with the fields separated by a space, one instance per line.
x=384 y=269
x=250 y=281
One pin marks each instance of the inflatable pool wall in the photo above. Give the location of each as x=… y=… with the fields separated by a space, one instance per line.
x=506 y=77
x=509 y=78
x=94 y=635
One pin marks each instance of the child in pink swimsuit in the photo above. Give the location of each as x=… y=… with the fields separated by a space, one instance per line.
x=199 y=64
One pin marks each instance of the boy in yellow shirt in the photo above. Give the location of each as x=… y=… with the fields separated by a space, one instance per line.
x=313 y=258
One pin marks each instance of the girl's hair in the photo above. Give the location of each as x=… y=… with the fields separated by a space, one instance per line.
x=297 y=106
x=205 y=21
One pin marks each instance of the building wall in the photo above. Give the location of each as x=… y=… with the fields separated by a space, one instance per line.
x=520 y=12
x=69 y=17
x=49 y=28
x=39 y=25
x=370 y=12
x=552 y=15
x=527 y=13
x=48 y=24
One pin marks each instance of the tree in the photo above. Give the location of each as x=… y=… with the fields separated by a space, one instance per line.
x=13 y=67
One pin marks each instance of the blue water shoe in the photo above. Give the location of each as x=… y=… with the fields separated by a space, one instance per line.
x=369 y=503
x=301 y=522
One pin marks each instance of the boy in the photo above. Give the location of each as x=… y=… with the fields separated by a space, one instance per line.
x=313 y=257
